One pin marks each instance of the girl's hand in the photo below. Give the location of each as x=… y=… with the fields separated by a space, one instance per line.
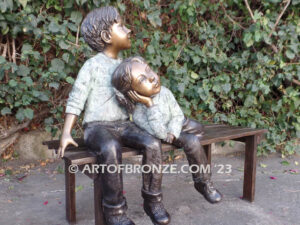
x=147 y=101
x=170 y=138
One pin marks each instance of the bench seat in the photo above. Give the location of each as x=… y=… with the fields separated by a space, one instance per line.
x=212 y=134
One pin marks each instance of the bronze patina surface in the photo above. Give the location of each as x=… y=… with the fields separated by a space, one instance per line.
x=106 y=125
x=158 y=113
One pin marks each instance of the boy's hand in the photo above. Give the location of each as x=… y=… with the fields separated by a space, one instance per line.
x=139 y=98
x=65 y=140
x=170 y=138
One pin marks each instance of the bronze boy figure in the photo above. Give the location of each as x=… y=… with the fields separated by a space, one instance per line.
x=158 y=113
x=106 y=124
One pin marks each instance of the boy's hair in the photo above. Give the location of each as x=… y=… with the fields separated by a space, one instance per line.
x=95 y=22
x=121 y=80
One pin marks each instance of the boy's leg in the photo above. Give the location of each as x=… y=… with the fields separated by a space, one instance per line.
x=104 y=142
x=152 y=155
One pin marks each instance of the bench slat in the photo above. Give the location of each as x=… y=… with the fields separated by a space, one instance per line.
x=221 y=129
x=212 y=133
x=81 y=158
x=126 y=152
x=210 y=138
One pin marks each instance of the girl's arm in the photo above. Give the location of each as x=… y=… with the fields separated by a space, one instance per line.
x=150 y=120
x=155 y=120
x=177 y=116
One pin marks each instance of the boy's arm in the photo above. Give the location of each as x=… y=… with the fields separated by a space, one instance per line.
x=80 y=90
x=75 y=105
x=66 y=137
x=177 y=116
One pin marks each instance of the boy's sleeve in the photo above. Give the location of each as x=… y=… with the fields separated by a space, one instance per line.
x=177 y=116
x=149 y=119
x=80 y=90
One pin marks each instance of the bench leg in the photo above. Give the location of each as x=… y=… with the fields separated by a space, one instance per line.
x=250 y=168
x=70 y=193
x=207 y=149
x=99 y=217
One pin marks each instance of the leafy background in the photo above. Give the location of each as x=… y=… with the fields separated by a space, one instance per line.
x=229 y=62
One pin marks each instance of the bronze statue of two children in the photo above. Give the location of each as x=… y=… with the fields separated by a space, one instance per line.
x=108 y=90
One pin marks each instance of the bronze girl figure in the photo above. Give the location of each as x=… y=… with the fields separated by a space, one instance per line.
x=156 y=111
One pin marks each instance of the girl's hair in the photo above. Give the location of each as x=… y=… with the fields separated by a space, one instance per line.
x=95 y=22
x=121 y=80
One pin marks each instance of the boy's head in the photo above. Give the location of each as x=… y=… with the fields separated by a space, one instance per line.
x=134 y=74
x=102 y=27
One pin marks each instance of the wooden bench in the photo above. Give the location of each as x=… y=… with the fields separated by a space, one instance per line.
x=212 y=134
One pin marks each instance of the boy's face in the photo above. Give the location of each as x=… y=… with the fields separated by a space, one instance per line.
x=120 y=36
x=144 y=80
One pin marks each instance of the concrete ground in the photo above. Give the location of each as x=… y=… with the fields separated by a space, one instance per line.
x=37 y=196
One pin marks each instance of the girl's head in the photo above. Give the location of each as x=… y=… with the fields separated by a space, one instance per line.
x=134 y=74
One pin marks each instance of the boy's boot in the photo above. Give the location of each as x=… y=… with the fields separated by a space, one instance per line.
x=154 y=208
x=206 y=188
x=116 y=214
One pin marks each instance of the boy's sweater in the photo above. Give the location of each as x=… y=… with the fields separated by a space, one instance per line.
x=93 y=91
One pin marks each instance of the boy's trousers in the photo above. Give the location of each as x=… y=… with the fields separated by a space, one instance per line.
x=106 y=140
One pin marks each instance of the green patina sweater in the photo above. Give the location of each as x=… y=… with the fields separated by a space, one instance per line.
x=93 y=91
x=165 y=116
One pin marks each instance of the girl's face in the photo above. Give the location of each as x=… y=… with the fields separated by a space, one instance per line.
x=144 y=80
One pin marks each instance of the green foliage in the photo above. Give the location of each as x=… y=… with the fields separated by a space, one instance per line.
x=222 y=65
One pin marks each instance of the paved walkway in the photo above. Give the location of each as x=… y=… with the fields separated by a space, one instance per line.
x=38 y=198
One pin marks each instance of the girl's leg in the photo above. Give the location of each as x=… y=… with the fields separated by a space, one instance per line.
x=201 y=170
x=152 y=155
x=195 y=155
x=193 y=127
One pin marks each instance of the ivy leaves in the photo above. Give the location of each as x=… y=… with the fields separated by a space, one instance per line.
x=219 y=70
x=24 y=113
x=6 y=5
x=57 y=65
x=45 y=55
x=5 y=111
x=154 y=18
